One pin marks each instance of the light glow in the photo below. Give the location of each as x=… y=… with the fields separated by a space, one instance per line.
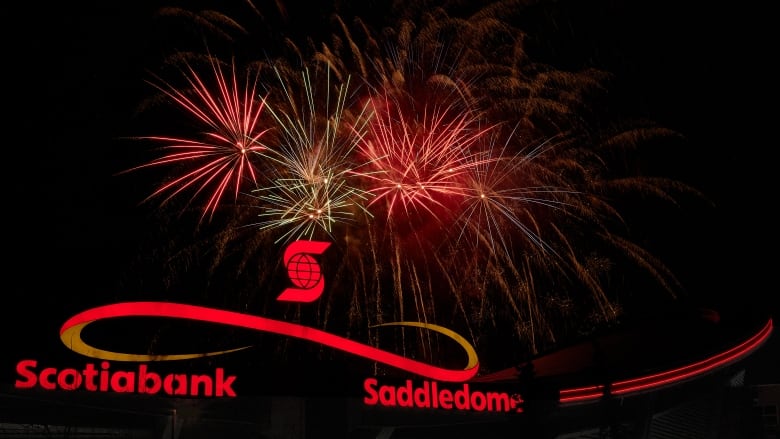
x=70 y=334
x=589 y=393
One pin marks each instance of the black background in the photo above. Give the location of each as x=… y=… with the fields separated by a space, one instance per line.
x=74 y=74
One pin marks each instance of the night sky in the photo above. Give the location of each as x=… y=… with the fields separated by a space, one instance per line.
x=77 y=74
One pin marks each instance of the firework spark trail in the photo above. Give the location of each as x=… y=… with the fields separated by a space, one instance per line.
x=312 y=185
x=496 y=195
x=224 y=156
x=443 y=215
x=487 y=199
x=417 y=161
x=299 y=210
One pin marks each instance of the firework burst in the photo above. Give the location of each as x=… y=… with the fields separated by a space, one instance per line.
x=312 y=187
x=500 y=190
x=460 y=182
x=222 y=159
x=417 y=161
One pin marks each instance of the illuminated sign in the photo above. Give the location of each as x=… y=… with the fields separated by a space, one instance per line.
x=121 y=381
x=441 y=388
x=305 y=274
x=431 y=394
x=71 y=336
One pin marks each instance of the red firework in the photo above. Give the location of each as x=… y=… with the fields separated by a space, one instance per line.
x=419 y=162
x=221 y=158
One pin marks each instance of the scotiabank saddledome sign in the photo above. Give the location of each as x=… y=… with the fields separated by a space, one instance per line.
x=308 y=284
x=435 y=388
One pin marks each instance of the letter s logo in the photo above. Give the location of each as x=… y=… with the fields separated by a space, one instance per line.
x=304 y=271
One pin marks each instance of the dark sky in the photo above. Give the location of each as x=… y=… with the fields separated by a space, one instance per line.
x=77 y=72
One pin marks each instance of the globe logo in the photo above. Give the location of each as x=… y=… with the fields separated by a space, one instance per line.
x=304 y=271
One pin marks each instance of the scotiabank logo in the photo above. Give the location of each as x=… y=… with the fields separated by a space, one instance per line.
x=304 y=273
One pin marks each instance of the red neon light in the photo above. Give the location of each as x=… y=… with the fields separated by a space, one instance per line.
x=70 y=335
x=303 y=271
x=428 y=395
x=670 y=376
x=581 y=393
x=142 y=380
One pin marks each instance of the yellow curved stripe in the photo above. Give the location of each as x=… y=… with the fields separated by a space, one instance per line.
x=470 y=351
x=72 y=338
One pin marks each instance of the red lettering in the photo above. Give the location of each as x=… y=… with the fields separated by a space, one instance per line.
x=43 y=378
x=23 y=368
x=428 y=395
x=502 y=402
x=123 y=382
x=462 y=398
x=143 y=381
x=422 y=396
x=478 y=401
x=225 y=386
x=89 y=377
x=404 y=395
x=203 y=380
x=387 y=395
x=69 y=384
x=368 y=385
x=104 y=376
x=181 y=384
x=445 y=399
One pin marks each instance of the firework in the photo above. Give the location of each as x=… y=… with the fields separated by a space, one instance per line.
x=311 y=187
x=417 y=161
x=222 y=159
x=460 y=181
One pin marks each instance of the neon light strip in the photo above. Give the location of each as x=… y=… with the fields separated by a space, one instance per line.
x=70 y=334
x=581 y=393
x=741 y=350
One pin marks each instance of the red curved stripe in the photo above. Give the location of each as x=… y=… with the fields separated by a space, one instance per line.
x=204 y=314
x=580 y=394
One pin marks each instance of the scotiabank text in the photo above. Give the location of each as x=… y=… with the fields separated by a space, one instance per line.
x=104 y=379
